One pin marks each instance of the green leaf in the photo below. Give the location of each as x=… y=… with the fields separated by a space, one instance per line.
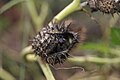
x=115 y=36
x=9 y=5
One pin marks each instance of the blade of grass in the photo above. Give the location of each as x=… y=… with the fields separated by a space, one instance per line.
x=9 y=5
x=6 y=75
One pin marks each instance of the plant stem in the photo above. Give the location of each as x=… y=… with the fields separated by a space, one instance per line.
x=94 y=60
x=46 y=70
x=6 y=75
x=27 y=55
x=9 y=5
x=32 y=11
x=72 y=7
x=37 y=19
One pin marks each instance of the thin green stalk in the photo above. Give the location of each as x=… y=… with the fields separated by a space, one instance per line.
x=6 y=75
x=37 y=19
x=32 y=10
x=72 y=7
x=41 y=17
x=28 y=55
x=31 y=57
x=94 y=60
x=46 y=70
x=9 y=5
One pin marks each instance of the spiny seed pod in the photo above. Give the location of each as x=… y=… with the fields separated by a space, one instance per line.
x=54 y=42
x=105 y=6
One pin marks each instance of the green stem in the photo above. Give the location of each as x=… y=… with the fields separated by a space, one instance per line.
x=38 y=19
x=32 y=11
x=41 y=18
x=29 y=56
x=72 y=7
x=46 y=70
x=94 y=60
x=9 y=5
x=6 y=75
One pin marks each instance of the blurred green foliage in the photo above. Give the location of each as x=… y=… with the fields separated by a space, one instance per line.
x=4 y=22
x=115 y=36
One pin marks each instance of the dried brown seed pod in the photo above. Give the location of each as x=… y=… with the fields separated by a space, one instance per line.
x=105 y=6
x=54 y=42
